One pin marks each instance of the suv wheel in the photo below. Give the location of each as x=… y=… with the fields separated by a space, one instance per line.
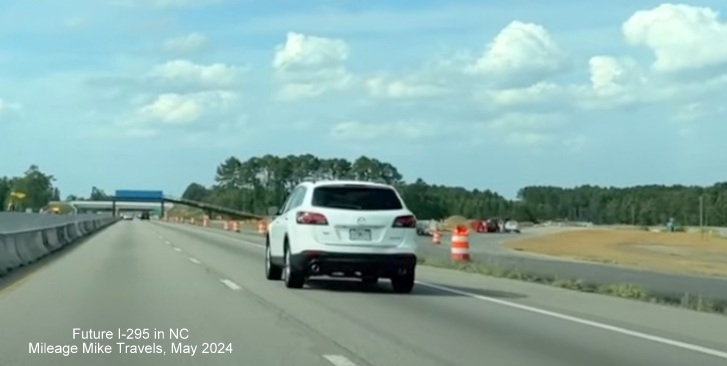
x=403 y=284
x=272 y=272
x=292 y=278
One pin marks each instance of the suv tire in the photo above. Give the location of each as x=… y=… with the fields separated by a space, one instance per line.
x=273 y=272
x=403 y=284
x=292 y=278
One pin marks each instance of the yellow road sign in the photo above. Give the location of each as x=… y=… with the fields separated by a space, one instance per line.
x=18 y=195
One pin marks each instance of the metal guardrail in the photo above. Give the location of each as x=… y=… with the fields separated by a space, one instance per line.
x=26 y=238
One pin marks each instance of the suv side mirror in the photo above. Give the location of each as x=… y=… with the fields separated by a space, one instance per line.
x=273 y=211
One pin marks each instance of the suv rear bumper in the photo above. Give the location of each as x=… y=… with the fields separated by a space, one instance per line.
x=318 y=263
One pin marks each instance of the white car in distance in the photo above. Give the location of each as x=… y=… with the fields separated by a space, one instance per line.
x=343 y=229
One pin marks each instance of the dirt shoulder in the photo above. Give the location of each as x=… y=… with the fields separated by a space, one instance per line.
x=692 y=253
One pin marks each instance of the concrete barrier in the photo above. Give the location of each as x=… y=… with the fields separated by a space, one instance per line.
x=27 y=238
x=51 y=240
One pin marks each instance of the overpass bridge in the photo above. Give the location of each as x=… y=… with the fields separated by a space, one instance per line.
x=153 y=200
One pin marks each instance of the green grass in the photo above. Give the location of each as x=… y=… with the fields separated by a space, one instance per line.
x=622 y=290
x=185 y=211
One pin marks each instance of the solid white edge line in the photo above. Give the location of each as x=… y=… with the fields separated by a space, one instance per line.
x=590 y=323
x=338 y=360
x=233 y=286
x=194 y=260
x=552 y=314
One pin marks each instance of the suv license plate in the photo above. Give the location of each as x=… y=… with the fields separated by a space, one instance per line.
x=360 y=234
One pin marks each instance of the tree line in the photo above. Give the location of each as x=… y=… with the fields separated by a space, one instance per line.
x=257 y=183
x=33 y=190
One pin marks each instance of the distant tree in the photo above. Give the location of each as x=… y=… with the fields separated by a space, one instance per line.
x=5 y=189
x=97 y=195
x=71 y=197
x=196 y=192
x=36 y=186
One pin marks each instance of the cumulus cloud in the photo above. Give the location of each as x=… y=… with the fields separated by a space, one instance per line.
x=681 y=37
x=189 y=43
x=522 y=54
x=180 y=109
x=183 y=72
x=310 y=66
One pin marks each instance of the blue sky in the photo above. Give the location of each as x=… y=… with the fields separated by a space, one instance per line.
x=154 y=94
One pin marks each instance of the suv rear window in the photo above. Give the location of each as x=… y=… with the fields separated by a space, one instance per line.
x=356 y=198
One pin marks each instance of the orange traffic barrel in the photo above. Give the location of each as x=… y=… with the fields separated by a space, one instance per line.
x=191 y=221
x=461 y=244
x=236 y=226
x=437 y=237
x=225 y=225
x=262 y=228
x=205 y=222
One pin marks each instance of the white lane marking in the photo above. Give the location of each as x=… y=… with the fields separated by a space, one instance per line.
x=233 y=286
x=338 y=360
x=590 y=323
x=194 y=260
x=168 y=242
x=178 y=250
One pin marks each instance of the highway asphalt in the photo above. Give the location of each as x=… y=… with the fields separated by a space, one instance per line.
x=140 y=274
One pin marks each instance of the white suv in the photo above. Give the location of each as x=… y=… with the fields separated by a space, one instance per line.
x=343 y=229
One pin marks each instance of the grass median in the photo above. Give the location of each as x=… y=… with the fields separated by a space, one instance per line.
x=622 y=290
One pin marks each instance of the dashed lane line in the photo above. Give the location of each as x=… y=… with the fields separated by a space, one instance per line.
x=231 y=285
x=338 y=360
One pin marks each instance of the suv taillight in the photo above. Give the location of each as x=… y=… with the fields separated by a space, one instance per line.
x=408 y=221
x=311 y=218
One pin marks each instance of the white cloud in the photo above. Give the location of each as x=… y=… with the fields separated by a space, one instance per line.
x=543 y=93
x=362 y=132
x=310 y=66
x=310 y=52
x=526 y=129
x=611 y=76
x=192 y=42
x=216 y=75
x=181 y=109
x=381 y=87
x=681 y=37
x=522 y=54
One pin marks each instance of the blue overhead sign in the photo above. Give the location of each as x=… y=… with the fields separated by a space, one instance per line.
x=139 y=196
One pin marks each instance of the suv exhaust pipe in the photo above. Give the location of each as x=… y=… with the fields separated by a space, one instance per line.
x=315 y=268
